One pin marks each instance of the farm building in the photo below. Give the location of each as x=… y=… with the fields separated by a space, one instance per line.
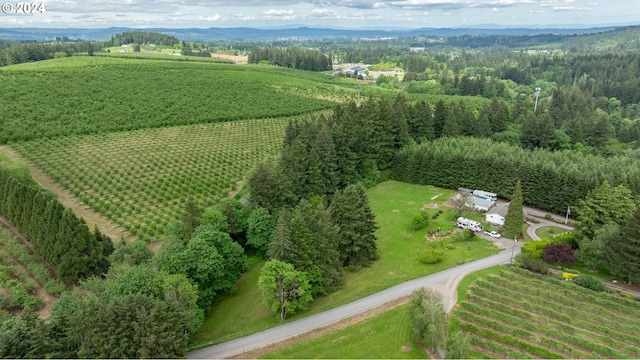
x=482 y=204
x=494 y=219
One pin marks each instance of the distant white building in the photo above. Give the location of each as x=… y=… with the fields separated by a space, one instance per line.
x=494 y=219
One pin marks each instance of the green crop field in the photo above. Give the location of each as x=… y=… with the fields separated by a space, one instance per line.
x=91 y=95
x=517 y=314
x=141 y=179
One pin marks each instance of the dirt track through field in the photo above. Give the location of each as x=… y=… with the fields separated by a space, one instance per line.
x=81 y=209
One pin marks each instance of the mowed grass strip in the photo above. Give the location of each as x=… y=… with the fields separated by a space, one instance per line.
x=142 y=179
x=385 y=336
x=525 y=313
x=89 y=95
x=393 y=203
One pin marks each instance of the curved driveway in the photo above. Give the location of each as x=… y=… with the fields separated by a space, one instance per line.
x=532 y=228
x=445 y=282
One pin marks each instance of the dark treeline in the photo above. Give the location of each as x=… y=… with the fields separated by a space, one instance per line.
x=5 y=44
x=63 y=240
x=189 y=52
x=482 y=41
x=550 y=180
x=38 y=51
x=293 y=57
x=603 y=75
x=142 y=37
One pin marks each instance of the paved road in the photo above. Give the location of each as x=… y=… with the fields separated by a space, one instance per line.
x=539 y=215
x=445 y=282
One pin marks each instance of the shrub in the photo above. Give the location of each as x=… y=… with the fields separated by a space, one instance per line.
x=565 y=238
x=468 y=235
x=559 y=254
x=537 y=265
x=535 y=249
x=590 y=282
x=419 y=221
x=568 y=276
x=431 y=256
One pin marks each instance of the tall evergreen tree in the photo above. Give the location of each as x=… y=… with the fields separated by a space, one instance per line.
x=499 y=115
x=325 y=148
x=453 y=123
x=440 y=113
x=622 y=253
x=281 y=247
x=356 y=222
x=191 y=217
x=264 y=188
x=515 y=215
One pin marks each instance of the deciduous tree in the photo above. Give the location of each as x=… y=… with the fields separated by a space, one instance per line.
x=428 y=321
x=285 y=289
x=260 y=228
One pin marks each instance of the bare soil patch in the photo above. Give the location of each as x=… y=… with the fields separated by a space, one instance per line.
x=313 y=334
x=238 y=59
x=81 y=209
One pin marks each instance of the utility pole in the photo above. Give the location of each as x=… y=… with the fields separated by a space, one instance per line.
x=513 y=248
x=535 y=107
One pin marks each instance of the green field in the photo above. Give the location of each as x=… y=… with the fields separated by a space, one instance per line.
x=90 y=95
x=386 y=336
x=517 y=314
x=393 y=203
x=142 y=179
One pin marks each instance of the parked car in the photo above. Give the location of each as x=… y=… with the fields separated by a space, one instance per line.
x=493 y=234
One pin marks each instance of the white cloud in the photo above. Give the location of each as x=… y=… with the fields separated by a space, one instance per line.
x=324 y=13
x=213 y=18
x=279 y=12
x=274 y=14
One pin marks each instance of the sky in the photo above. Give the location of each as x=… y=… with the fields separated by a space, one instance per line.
x=353 y=14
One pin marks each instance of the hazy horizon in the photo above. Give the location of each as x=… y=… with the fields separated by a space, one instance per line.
x=338 y=14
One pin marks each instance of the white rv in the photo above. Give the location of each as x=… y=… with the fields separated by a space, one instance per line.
x=465 y=223
x=485 y=195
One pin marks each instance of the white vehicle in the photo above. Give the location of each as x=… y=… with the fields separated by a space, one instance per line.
x=485 y=195
x=465 y=223
x=493 y=234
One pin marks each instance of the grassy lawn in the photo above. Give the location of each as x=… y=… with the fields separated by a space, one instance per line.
x=386 y=336
x=549 y=231
x=393 y=203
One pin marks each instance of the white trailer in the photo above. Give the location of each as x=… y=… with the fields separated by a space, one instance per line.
x=465 y=223
x=485 y=195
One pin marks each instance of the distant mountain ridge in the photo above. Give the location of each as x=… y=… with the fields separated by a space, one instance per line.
x=255 y=34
